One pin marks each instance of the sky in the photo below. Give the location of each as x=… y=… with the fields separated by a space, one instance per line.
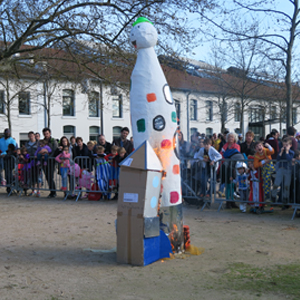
x=202 y=52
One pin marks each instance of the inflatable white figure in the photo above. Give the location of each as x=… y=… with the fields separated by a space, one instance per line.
x=153 y=117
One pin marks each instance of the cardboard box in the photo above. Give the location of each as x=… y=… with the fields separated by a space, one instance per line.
x=139 y=190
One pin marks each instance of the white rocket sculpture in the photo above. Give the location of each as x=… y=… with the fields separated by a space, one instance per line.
x=153 y=118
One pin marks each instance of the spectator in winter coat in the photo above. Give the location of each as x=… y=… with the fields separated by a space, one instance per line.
x=247 y=147
x=122 y=141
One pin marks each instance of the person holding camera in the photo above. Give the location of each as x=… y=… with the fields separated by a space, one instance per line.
x=284 y=171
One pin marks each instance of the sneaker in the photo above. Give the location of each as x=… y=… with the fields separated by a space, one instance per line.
x=45 y=164
x=236 y=196
x=38 y=194
x=33 y=193
x=38 y=163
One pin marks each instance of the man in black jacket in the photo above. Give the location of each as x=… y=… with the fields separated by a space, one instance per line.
x=123 y=142
x=49 y=168
x=102 y=142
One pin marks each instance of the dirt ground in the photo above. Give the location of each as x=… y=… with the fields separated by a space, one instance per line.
x=44 y=252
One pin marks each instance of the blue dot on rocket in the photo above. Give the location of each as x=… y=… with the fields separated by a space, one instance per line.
x=155 y=182
x=153 y=202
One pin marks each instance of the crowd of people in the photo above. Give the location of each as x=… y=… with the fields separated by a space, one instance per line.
x=39 y=158
x=251 y=170
x=247 y=170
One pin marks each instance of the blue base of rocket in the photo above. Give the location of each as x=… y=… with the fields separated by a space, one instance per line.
x=156 y=248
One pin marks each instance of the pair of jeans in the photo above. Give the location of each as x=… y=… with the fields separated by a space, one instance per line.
x=64 y=176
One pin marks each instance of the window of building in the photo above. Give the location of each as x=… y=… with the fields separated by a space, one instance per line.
x=117 y=106
x=116 y=131
x=237 y=112
x=193 y=110
x=177 y=107
x=94 y=132
x=23 y=138
x=256 y=114
x=209 y=110
x=273 y=112
x=209 y=132
x=193 y=130
x=2 y=103
x=68 y=103
x=24 y=103
x=69 y=130
x=294 y=116
x=258 y=132
x=94 y=104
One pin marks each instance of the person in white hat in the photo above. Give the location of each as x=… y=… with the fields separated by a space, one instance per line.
x=242 y=180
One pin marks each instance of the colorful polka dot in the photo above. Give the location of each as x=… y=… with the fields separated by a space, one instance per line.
x=151 y=97
x=174 y=118
x=155 y=181
x=166 y=144
x=176 y=169
x=174 y=197
x=153 y=202
x=141 y=125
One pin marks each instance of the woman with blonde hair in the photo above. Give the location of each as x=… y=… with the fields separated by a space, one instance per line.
x=231 y=150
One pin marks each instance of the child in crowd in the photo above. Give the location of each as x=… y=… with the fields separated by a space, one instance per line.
x=113 y=166
x=23 y=158
x=256 y=188
x=42 y=153
x=263 y=160
x=64 y=160
x=116 y=161
x=102 y=171
x=284 y=170
x=209 y=157
x=242 y=181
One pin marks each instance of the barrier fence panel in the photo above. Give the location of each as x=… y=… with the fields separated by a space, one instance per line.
x=197 y=182
x=275 y=184
x=9 y=173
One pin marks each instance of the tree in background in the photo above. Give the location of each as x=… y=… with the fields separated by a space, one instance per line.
x=279 y=41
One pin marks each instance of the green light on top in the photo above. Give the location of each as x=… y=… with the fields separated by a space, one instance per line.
x=141 y=20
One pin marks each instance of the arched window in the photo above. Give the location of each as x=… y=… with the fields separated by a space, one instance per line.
x=69 y=130
x=209 y=132
x=94 y=132
x=116 y=131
